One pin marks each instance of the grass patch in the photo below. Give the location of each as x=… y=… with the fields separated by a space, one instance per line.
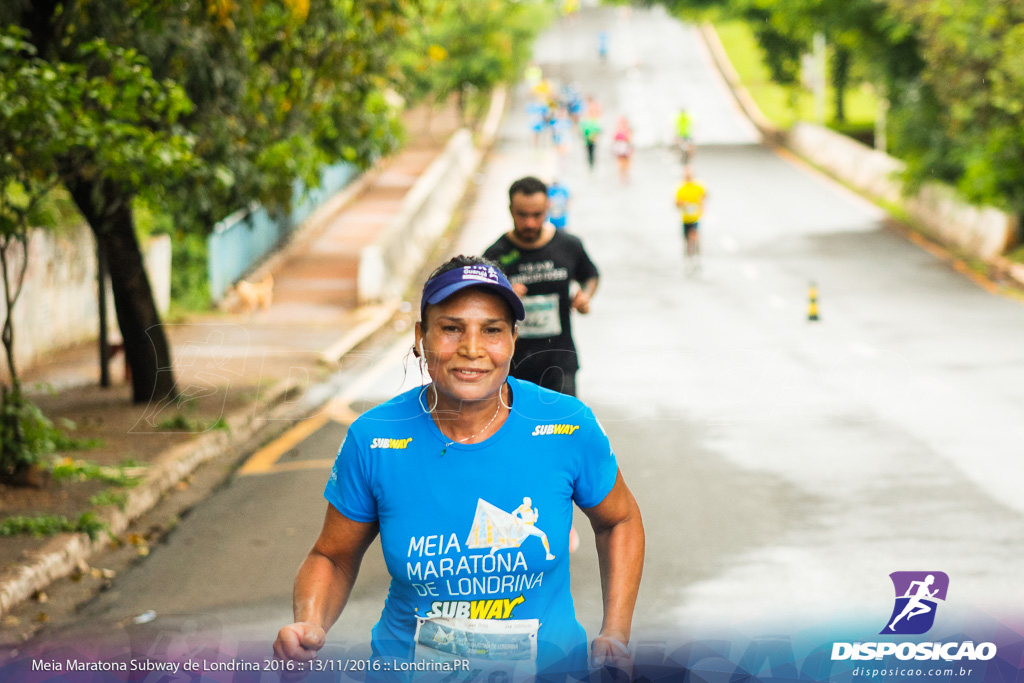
x=127 y=474
x=978 y=266
x=1017 y=255
x=110 y=497
x=184 y=423
x=42 y=526
x=785 y=105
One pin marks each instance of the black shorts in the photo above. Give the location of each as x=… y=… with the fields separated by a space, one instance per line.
x=688 y=228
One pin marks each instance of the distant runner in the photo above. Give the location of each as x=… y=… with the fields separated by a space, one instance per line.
x=537 y=115
x=558 y=204
x=561 y=130
x=690 y=198
x=542 y=263
x=684 y=135
x=602 y=45
x=591 y=129
x=573 y=101
x=622 y=147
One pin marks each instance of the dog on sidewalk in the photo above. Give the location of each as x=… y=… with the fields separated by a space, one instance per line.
x=255 y=295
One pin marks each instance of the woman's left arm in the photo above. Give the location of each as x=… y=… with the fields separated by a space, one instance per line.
x=620 y=550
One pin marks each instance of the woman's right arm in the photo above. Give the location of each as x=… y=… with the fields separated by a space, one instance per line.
x=323 y=584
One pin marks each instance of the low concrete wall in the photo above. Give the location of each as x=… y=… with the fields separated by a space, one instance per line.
x=387 y=266
x=982 y=232
x=58 y=305
x=868 y=170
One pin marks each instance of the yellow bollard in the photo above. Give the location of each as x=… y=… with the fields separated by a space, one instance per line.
x=812 y=310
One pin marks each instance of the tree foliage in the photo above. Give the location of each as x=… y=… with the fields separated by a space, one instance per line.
x=267 y=92
x=475 y=43
x=963 y=120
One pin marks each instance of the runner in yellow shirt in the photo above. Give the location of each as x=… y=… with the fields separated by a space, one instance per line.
x=690 y=198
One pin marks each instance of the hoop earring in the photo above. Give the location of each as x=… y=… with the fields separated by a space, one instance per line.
x=420 y=398
x=500 y=400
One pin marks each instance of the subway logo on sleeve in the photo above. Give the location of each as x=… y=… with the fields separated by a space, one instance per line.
x=551 y=430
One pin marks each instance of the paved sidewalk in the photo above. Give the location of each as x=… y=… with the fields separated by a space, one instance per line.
x=237 y=366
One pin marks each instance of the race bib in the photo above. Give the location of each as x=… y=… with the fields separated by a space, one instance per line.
x=541 y=317
x=489 y=645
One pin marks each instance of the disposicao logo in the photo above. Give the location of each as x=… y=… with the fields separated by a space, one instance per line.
x=918 y=595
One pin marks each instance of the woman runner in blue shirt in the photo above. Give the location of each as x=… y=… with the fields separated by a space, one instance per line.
x=470 y=482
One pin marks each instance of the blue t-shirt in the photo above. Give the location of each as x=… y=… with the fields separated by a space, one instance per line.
x=558 y=205
x=537 y=115
x=476 y=540
x=561 y=128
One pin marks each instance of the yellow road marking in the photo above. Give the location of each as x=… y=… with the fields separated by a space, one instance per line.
x=304 y=465
x=264 y=461
x=265 y=458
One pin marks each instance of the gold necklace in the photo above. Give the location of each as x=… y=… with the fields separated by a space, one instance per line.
x=491 y=421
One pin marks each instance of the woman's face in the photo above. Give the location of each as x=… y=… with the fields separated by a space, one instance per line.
x=468 y=340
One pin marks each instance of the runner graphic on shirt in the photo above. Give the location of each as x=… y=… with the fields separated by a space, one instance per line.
x=496 y=529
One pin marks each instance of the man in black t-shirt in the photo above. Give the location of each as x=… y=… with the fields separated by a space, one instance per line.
x=541 y=262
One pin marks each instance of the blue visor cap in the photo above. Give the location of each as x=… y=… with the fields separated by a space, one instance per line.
x=444 y=285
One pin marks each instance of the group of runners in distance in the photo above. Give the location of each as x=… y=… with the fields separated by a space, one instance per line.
x=555 y=112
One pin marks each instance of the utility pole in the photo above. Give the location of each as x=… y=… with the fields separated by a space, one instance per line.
x=880 y=124
x=101 y=285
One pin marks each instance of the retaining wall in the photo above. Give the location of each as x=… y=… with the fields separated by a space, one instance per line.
x=58 y=306
x=982 y=232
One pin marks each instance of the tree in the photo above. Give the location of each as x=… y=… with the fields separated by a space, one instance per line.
x=961 y=121
x=52 y=115
x=469 y=43
x=279 y=88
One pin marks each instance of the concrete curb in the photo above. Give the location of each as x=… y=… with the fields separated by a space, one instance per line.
x=333 y=354
x=769 y=132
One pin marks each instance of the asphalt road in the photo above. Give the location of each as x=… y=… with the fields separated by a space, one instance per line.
x=784 y=467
